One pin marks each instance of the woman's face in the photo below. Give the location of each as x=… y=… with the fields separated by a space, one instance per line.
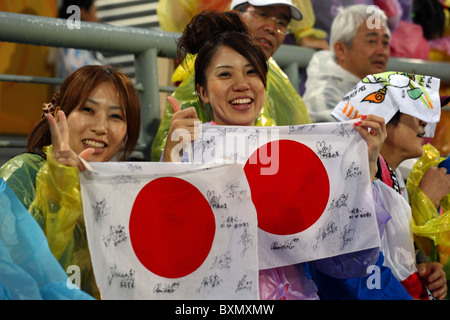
x=405 y=140
x=100 y=124
x=233 y=89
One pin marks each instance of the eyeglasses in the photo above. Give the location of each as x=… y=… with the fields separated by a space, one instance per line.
x=282 y=26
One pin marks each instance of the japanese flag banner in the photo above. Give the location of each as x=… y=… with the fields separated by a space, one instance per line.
x=171 y=231
x=310 y=185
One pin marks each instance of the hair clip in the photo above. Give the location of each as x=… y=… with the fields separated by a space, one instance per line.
x=50 y=106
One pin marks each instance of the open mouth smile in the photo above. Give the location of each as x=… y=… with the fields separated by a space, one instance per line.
x=242 y=104
x=94 y=144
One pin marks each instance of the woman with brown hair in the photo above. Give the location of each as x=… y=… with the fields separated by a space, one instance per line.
x=230 y=81
x=95 y=117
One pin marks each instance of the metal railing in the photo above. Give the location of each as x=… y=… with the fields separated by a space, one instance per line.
x=147 y=45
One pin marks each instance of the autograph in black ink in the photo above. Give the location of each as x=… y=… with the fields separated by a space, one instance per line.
x=210 y=282
x=344 y=130
x=323 y=233
x=222 y=262
x=346 y=236
x=100 y=210
x=301 y=128
x=353 y=171
x=126 y=279
x=166 y=287
x=244 y=284
x=359 y=213
x=339 y=202
x=115 y=235
x=205 y=144
x=324 y=151
x=233 y=222
x=233 y=190
x=124 y=179
x=133 y=167
x=286 y=245
x=246 y=241
x=214 y=200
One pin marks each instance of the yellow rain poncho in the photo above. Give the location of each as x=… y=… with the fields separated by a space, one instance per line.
x=283 y=105
x=174 y=15
x=51 y=193
x=431 y=228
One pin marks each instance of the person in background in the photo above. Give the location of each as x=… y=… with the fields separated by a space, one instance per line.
x=304 y=33
x=359 y=45
x=67 y=60
x=409 y=103
x=269 y=21
x=95 y=117
x=430 y=223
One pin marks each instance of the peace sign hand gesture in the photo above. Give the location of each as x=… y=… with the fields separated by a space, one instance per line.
x=60 y=139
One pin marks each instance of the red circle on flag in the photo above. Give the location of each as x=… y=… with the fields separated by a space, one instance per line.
x=172 y=227
x=289 y=185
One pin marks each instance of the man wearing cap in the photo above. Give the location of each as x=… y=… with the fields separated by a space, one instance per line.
x=359 y=45
x=269 y=21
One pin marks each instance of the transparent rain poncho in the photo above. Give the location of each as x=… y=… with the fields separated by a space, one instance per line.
x=51 y=193
x=431 y=227
x=28 y=270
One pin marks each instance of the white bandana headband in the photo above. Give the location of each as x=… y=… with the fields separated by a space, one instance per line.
x=385 y=94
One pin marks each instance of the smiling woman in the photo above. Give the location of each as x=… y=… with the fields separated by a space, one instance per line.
x=95 y=116
x=234 y=89
x=230 y=78
x=404 y=140
x=103 y=93
x=230 y=73
x=99 y=124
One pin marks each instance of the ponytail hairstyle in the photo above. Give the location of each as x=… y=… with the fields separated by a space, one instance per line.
x=74 y=92
x=208 y=32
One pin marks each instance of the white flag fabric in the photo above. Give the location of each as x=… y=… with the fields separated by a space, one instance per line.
x=397 y=242
x=384 y=94
x=310 y=185
x=171 y=231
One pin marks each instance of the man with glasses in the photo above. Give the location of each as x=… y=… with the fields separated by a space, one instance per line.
x=269 y=21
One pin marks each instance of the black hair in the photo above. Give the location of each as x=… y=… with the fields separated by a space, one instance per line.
x=430 y=15
x=395 y=119
x=82 y=4
x=209 y=31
